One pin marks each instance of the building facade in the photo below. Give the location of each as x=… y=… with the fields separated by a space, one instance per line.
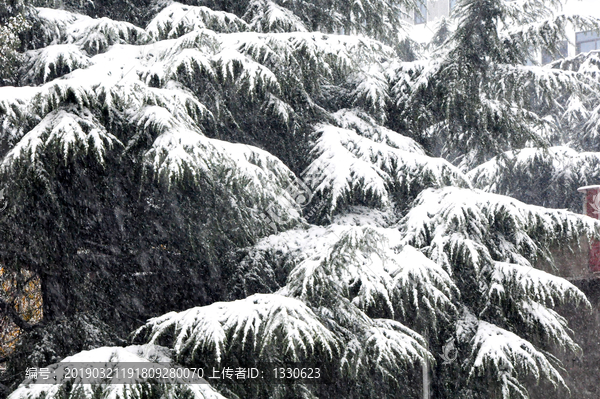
x=432 y=10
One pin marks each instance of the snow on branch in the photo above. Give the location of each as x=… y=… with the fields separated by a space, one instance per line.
x=407 y=78
x=58 y=92
x=52 y=62
x=371 y=92
x=543 y=30
x=546 y=177
x=585 y=63
x=549 y=324
x=192 y=64
x=544 y=82
x=347 y=50
x=178 y=100
x=91 y=35
x=73 y=132
x=507 y=356
x=180 y=151
x=178 y=19
x=575 y=111
x=268 y=16
x=269 y=326
x=366 y=126
x=246 y=75
x=138 y=354
x=336 y=171
x=164 y=124
x=422 y=287
x=470 y=227
x=55 y=24
x=97 y=36
x=15 y=110
x=370 y=272
x=524 y=11
x=358 y=262
x=352 y=273
x=386 y=348
x=204 y=40
x=345 y=163
x=535 y=285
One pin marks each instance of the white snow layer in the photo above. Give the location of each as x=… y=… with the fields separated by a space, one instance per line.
x=373 y=162
x=452 y=222
x=260 y=323
x=131 y=354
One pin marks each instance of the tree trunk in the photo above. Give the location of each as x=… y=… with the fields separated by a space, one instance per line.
x=55 y=296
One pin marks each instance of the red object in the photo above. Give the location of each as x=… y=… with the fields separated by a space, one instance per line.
x=594 y=261
x=591 y=207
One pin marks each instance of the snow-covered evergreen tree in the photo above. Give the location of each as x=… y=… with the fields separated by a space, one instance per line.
x=553 y=174
x=12 y=24
x=252 y=182
x=478 y=96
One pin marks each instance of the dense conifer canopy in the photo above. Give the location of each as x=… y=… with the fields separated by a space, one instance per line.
x=275 y=181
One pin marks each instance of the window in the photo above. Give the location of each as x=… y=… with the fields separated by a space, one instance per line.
x=421 y=14
x=587 y=41
x=563 y=50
